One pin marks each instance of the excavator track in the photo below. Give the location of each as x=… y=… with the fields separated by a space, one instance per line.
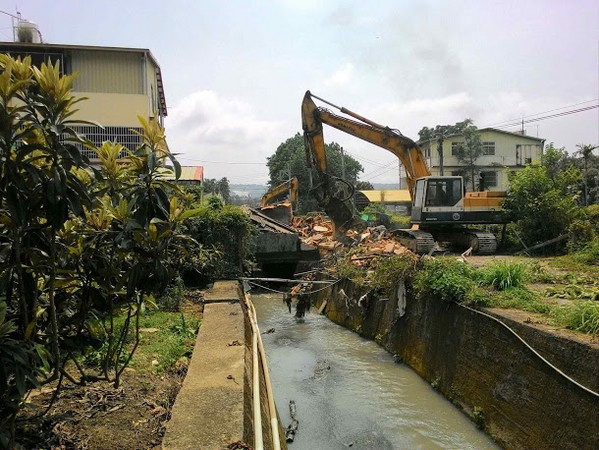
x=482 y=242
x=418 y=241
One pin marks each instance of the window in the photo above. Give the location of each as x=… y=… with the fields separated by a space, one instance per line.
x=488 y=178
x=455 y=148
x=123 y=135
x=443 y=192
x=488 y=148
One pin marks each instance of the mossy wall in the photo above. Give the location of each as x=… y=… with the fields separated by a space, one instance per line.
x=480 y=366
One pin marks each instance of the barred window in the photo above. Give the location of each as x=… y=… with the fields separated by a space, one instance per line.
x=488 y=148
x=455 y=147
x=490 y=178
x=96 y=135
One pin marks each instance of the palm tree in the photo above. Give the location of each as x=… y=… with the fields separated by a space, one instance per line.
x=586 y=151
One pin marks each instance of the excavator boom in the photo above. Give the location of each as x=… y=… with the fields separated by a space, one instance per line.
x=289 y=186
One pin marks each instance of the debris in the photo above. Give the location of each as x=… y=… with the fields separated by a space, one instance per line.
x=234 y=343
x=291 y=430
x=269 y=331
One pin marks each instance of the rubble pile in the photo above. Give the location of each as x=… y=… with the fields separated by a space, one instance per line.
x=318 y=231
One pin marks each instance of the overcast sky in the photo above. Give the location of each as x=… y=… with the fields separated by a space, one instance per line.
x=235 y=71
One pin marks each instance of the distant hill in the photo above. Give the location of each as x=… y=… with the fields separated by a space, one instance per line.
x=252 y=190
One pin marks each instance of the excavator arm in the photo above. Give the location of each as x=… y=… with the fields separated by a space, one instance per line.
x=290 y=186
x=404 y=148
x=313 y=118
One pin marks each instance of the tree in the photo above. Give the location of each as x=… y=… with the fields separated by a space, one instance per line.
x=364 y=186
x=289 y=160
x=218 y=187
x=469 y=151
x=586 y=151
x=439 y=133
x=541 y=203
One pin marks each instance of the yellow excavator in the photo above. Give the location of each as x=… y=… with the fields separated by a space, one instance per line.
x=440 y=206
x=289 y=186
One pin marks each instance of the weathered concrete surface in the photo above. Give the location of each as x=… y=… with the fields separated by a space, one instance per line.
x=222 y=291
x=214 y=406
x=208 y=412
x=483 y=368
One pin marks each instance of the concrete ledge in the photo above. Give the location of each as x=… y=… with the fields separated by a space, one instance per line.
x=208 y=412
x=222 y=291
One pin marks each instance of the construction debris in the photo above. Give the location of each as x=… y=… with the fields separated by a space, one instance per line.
x=318 y=231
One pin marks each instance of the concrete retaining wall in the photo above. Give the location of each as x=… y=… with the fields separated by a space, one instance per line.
x=214 y=407
x=482 y=367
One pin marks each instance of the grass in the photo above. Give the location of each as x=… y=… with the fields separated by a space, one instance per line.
x=446 y=279
x=582 y=316
x=165 y=337
x=174 y=339
x=504 y=275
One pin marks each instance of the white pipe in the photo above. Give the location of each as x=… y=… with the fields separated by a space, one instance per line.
x=274 y=422
x=258 y=438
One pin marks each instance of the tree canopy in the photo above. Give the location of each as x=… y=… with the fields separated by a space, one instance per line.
x=289 y=160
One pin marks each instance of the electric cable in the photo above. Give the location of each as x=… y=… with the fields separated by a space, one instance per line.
x=593 y=393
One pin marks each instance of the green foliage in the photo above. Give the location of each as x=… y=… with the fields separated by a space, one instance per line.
x=520 y=298
x=478 y=416
x=582 y=316
x=589 y=254
x=387 y=271
x=289 y=160
x=468 y=153
x=505 y=274
x=173 y=296
x=542 y=203
x=446 y=279
x=401 y=220
x=225 y=229
x=76 y=243
x=219 y=188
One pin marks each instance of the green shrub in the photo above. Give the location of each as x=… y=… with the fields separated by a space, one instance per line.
x=581 y=316
x=589 y=254
x=401 y=220
x=346 y=269
x=387 y=271
x=504 y=274
x=172 y=296
x=445 y=278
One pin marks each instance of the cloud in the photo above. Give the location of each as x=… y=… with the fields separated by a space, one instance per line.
x=223 y=134
x=341 y=76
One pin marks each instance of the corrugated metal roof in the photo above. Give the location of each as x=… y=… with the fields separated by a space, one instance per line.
x=388 y=196
x=189 y=173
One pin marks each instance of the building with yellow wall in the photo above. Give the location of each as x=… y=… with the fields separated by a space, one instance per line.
x=503 y=152
x=120 y=84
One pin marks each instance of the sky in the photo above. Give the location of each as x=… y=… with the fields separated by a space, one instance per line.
x=235 y=72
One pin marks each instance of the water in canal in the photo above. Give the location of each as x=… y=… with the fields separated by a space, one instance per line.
x=350 y=393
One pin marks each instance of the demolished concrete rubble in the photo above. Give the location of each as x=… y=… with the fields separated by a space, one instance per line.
x=318 y=231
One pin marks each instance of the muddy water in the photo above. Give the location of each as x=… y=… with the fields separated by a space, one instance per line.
x=349 y=391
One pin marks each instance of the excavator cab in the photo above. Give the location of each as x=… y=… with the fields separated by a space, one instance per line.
x=437 y=194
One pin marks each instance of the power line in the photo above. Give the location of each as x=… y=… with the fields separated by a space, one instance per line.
x=542 y=112
x=551 y=116
x=221 y=162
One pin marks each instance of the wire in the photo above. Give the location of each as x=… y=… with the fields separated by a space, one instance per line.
x=220 y=162
x=298 y=281
x=595 y=394
x=536 y=114
x=565 y=113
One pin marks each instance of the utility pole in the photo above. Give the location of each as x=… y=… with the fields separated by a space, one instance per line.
x=399 y=171
x=342 y=164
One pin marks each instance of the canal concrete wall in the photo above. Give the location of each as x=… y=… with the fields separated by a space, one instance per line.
x=482 y=367
x=213 y=409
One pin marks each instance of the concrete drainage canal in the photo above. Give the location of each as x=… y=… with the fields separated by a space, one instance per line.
x=349 y=392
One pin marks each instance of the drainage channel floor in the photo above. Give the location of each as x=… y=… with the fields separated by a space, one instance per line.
x=350 y=393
